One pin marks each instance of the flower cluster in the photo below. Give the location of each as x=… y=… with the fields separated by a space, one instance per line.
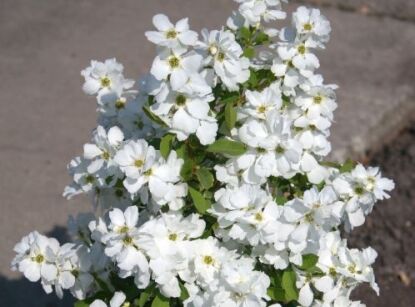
x=209 y=172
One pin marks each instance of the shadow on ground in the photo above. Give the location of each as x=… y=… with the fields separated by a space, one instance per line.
x=23 y=293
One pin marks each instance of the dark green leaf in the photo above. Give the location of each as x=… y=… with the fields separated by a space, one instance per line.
x=201 y=204
x=228 y=147
x=166 y=145
x=230 y=115
x=276 y=294
x=184 y=295
x=205 y=178
x=187 y=169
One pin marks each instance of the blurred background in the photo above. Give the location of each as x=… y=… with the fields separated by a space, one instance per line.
x=45 y=118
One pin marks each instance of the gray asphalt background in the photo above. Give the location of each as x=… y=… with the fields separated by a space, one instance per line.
x=45 y=118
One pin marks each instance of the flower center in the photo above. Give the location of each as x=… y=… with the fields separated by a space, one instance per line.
x=262 y=109
x=208 y=260
x=171 y=34
x=123 y=229
x=261 y=150
x=279 y=149
x=120 y=103
x=148 y=172
x=317 y=99
x=180 y=100
x=308 y=26
x=38 y=258
x=127 y=240
x=138 y=163
x=106 y=155
x=105 y=82
x=301 y=49
x=174 y=62
x=221 y=56
x=173 y=236
x=259 y=217
x=89 y=179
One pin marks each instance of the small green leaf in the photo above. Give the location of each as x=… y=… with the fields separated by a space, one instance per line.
x=288 y=284
x=184 y=295
x=201 y=204
x=348 y=166
x=249 y=52
x=153 y=116
x=231 y=99
x=205 y=178
x=81 y=304
x=245 y=33
x=166 y=144
x=261 y=38
x=228 y=147
x=230 y=116
x=309 y=261
x=160 y=301
x=281 y=200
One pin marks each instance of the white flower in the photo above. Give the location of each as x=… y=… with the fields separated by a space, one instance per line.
x=226 y=56
x=135 y=159
x=104 y=147
x=311 y=24
x=312 y=215
x=259 y=104
x=273 y=150
x=246 y=213
x=103 y=77
x=188 y=112
x=256 y=10
x=169 y=35
x=208 y=257
x=176 y=66
x=122 y=245
x=36 y=256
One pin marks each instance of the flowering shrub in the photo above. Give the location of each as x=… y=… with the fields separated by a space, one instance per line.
x=211 y=177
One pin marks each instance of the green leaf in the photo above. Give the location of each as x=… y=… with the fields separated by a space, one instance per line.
x=205 y=178
x=249 y=52
x=184 y=295
x=261 y=38
x=166 y=145
x=281 y=200
x=245 y=33
x=160 y=301
x=231 y=99
x=228 y=147
x=153 y=116
x=348 y=166
x=81 y=304
x=230 y=115
x=276 y=294
x=187 y=169
x=288 y=284
x=201 y=204
x=309 y=261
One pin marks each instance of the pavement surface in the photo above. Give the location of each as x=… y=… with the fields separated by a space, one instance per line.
x=45 y=118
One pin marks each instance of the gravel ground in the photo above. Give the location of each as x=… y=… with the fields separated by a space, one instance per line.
x=390 y=227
